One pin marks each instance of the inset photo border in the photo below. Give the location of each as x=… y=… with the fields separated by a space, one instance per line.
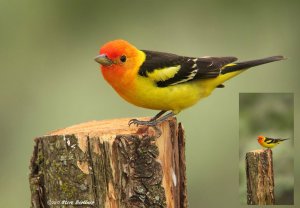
x=266 y=148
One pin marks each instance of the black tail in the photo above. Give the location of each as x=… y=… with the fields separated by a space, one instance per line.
x=282 y=140
x=247 y=64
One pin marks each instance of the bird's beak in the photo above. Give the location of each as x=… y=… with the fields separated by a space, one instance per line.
x=103 y=60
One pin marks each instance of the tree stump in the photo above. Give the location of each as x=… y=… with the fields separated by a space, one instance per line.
x=260 y=178
x=108 y=164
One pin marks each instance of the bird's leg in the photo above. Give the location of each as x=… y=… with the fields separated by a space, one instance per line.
x=165 y=117
x=152 y=122
x=158 y=115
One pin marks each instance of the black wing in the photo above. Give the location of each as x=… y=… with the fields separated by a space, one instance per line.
x=190 y=68
x=269 y=140
x=272 y=140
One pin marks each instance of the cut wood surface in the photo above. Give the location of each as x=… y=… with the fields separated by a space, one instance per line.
x=260 y=178
x=108 y=164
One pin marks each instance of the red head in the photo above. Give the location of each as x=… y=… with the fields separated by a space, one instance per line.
x=119 y=59
x=114 y=50
x=260 y=139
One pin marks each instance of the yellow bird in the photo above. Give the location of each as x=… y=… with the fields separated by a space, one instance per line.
x=269 y=142
x=165 y=81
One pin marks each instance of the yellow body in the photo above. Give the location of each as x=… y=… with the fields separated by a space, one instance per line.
x=269 y=142
x=269 y=145
x=143 y=92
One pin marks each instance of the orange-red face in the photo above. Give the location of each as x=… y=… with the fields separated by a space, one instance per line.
x=260 y=139
x=120 y=62
x=117 y=56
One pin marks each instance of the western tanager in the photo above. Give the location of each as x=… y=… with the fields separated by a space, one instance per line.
x=165 y=81
x=268 y=142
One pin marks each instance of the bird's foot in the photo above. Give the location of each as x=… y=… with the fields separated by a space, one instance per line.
x=153 y=121
x=142 y=123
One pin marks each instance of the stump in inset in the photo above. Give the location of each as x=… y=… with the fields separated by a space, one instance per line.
x=260 y=178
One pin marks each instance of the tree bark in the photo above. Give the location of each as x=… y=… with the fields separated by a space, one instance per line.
x=260 y=178
x=108 y=164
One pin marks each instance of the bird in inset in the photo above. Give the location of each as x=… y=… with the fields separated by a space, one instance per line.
x=269 y=142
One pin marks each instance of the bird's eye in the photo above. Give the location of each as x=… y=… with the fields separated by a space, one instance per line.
x=123 y=58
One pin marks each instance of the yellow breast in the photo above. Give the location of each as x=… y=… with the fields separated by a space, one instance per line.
x=146 y=94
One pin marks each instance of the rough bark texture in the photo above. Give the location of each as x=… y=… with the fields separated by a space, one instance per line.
x=260 y=178
x=108 y=164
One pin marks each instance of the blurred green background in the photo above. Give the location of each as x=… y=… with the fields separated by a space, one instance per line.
x=49 y=79
x=270 y=115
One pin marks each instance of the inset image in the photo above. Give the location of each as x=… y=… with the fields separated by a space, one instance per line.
x=266 y=148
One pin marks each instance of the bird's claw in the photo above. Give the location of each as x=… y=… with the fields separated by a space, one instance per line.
x=142 y=123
